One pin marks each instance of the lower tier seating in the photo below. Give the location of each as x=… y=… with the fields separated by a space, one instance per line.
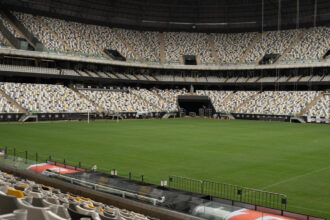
x=321 y=108
x=7 y=107
x=25 y=199
x=279 y=102
x=45 y=98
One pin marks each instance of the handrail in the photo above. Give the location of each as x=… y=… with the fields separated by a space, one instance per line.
x=256 y=190
x=230 y=192
x=107 y=189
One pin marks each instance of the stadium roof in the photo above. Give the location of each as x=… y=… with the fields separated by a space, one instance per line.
x=184 y=15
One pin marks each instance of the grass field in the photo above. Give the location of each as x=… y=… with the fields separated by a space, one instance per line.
x=293 y=159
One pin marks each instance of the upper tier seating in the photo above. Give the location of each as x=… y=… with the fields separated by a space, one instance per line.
x=106 y=38
x=144 y=43
x=2 y=40
x=231 y=47
x=73 y=34
x=271 y=42
x=178 y=44
x=144 y=46
x=43 y=34
x=25 y=199
x=11 y=29
x=314 y=45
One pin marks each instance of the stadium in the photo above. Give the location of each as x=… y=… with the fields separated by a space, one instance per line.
x=164 y=109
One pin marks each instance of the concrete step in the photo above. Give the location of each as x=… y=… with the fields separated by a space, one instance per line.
x=294 y=43
x=251 y=46
x=21 y=29
x=214 y=51
x=162 y=48
x=13 y=102
x=310 y=105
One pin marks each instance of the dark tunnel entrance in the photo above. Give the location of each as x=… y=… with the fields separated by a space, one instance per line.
x=195 y=106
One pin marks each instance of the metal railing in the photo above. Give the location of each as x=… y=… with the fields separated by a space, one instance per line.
x=107 y=189
x=230 y=192
x=187 y=184
x=205 y=187
x=28 y=158
x=246 y=195
x=205 y=207
x=23 y=160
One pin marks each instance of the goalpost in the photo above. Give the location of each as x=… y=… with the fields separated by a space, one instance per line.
x=89 y=116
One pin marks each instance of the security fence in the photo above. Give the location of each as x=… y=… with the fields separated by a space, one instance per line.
x=230 y=192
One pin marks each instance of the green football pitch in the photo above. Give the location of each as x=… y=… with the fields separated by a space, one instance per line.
x=293 y=159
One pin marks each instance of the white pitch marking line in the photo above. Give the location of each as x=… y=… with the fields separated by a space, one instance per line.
x=315 y=210
x=295 y=177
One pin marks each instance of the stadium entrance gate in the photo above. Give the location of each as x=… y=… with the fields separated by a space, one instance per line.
x=196 y=105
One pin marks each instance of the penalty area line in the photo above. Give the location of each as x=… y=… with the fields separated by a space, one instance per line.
x=295 y=177
x=309 y=209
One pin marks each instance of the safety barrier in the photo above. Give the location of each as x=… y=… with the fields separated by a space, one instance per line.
x=230 y=192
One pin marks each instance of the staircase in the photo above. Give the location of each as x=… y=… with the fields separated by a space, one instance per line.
x=82 y=73
x=96 y=46
x=294 y=78
x=227 y=115
x=245 y=102
x=181 y=60
x=294 y=43
x=259 y=59
x=213 y=50
x=100 y=108
x=138 y=96
x=154 y=78
x=327 y=57
x=54 y=34
x=247 y=51
x=13 y=102
x=310 y=105
x=117 y=35
x=228 y=97
x=160 y=97
x=28 y=117
x=169 y=115
x=162 y=48
x=297 y=119
x=13 y=41
x=198 y=60
x=134 y=77
x=20 y=28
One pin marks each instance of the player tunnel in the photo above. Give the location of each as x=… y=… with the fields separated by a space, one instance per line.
x=195 y=106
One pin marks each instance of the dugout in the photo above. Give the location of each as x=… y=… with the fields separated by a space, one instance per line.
x=195 y=105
